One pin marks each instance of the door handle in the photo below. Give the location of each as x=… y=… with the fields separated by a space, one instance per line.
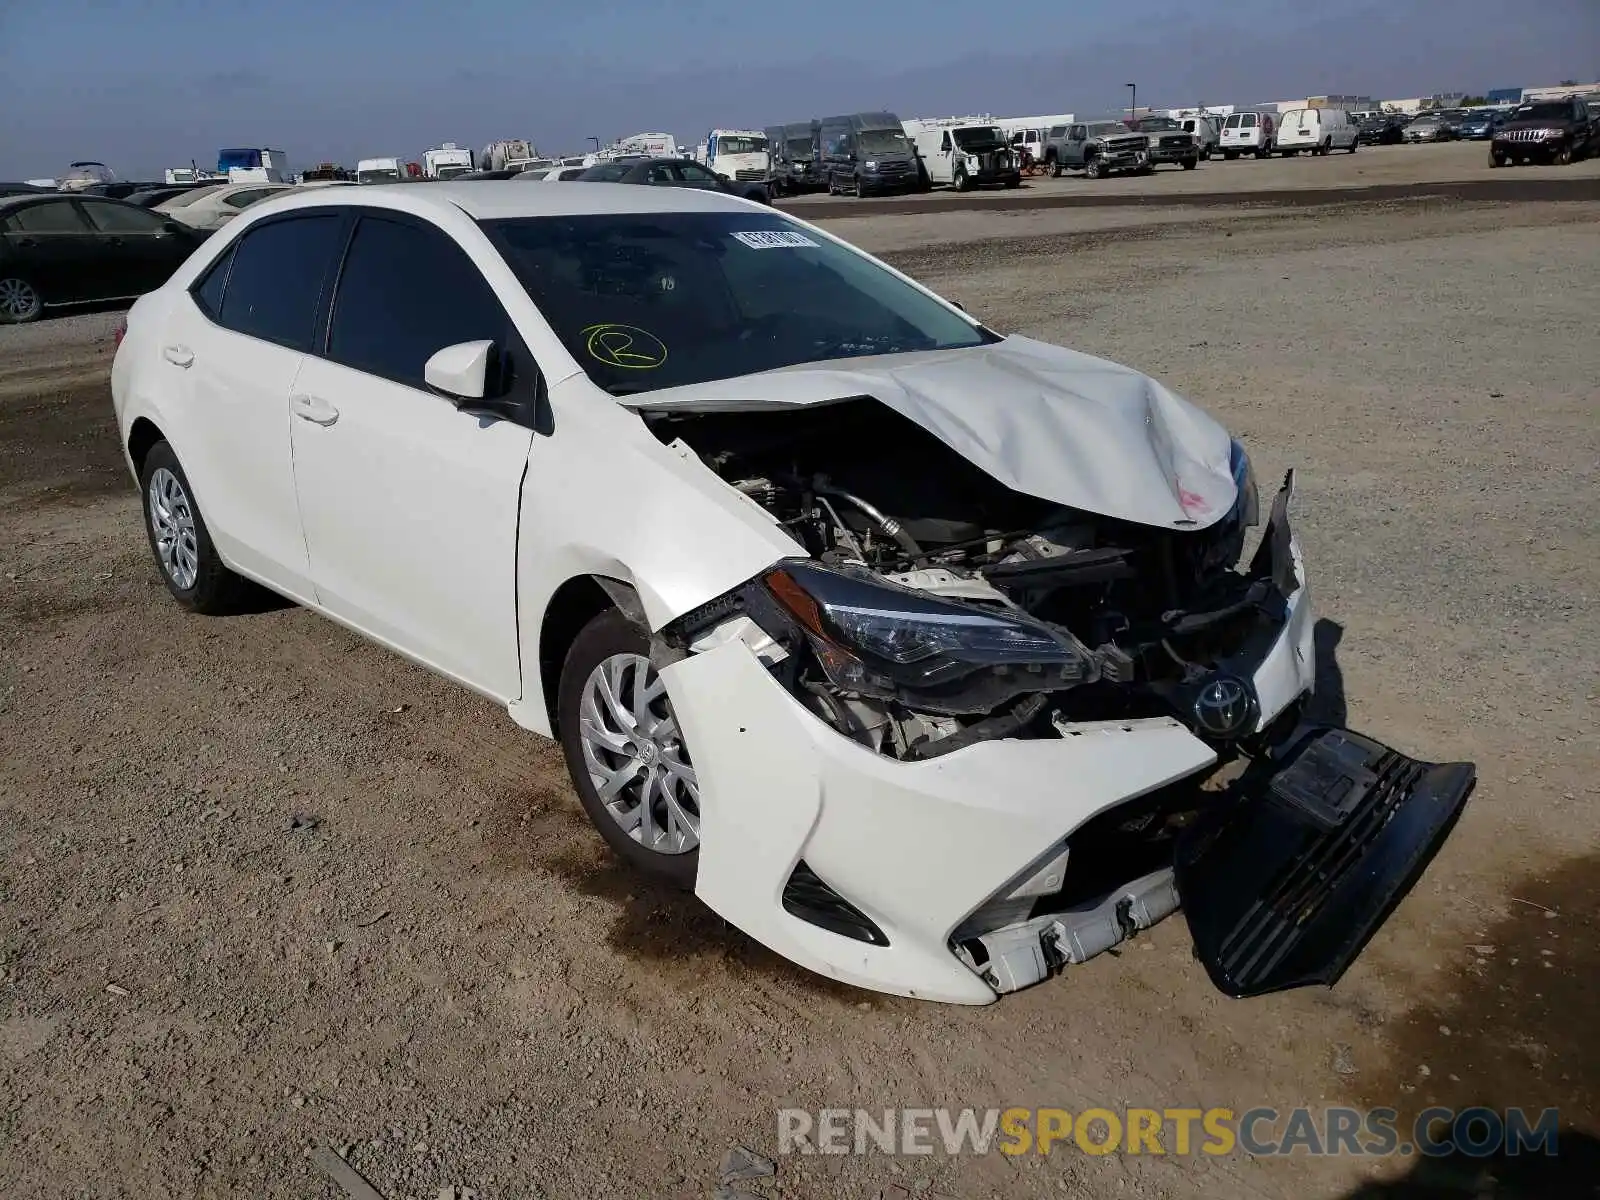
x=313 y=408
x=178 y=356
x=27 y=241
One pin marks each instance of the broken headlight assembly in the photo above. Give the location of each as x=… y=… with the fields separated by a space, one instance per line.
x=877 y=639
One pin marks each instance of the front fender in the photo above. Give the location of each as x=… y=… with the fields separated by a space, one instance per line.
x=603 y=497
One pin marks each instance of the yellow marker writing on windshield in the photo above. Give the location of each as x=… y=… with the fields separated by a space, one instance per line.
x=625 y=346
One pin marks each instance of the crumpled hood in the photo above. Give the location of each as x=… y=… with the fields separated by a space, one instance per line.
x=1045 y=421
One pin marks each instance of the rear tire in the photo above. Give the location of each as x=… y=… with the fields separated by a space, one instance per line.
x=1054 y=166
x=188 y=561
x=616 y=725
x=1230 y=155
x=20 y=301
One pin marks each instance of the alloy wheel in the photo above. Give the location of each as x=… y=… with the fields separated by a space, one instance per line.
x=172 y=522
x=19 y=299
x=635 y=755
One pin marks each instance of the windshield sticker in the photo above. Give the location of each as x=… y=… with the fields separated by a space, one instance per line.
x=625 y=346
x=774 y=239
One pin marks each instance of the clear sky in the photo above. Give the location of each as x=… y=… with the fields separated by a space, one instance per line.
x=143 y=84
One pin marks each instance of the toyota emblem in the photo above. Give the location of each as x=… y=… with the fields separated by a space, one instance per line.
x=1224 y=706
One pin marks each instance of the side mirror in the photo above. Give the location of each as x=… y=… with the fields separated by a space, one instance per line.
x=459 y=372
x=723 y=177
x=174 y=227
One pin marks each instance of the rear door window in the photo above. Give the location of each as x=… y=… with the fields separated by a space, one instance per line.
x=121 y=218
x=406 y=292
x=277 y=278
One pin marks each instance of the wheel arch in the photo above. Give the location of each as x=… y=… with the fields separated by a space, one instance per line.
x=143 y=435
x=572 y=606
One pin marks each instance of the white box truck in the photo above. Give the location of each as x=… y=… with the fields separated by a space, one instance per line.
x=446 y=161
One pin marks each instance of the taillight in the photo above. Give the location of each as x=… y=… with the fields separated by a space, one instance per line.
x=122 y=330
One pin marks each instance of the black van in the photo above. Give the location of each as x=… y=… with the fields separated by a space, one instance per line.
x=794 y=157
x=865 y=154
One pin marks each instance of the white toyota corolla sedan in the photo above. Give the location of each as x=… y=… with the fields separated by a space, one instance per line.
x=928 y=656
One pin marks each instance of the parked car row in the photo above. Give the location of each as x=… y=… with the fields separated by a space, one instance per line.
x=61 y=248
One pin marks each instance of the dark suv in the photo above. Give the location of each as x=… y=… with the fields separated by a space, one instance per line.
x=1549 y=131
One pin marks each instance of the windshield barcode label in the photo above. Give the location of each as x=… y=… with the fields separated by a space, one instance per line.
x=773 y=239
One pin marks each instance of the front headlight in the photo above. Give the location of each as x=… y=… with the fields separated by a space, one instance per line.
x=878 y=639
x=1244 y=478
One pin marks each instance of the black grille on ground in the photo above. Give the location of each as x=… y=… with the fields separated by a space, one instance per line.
x=1272 y=925
x=807 y=897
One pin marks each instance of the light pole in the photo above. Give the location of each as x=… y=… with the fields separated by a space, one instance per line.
x=1133 y=101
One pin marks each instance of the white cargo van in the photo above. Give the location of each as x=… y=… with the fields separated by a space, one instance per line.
x=1248 y=133
x=1317 y=131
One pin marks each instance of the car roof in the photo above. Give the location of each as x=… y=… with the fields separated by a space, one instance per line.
x=11 y=201
x=493 y=200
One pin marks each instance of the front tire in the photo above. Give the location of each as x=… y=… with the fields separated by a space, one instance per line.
x=625 y=753
x=1190 y=164
x=20 y=301
x=1093 y=169
x=188 y=561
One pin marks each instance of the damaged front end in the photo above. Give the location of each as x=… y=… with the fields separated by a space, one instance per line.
x=940 y=610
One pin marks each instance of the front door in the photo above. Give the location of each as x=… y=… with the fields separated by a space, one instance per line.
x=409 y=503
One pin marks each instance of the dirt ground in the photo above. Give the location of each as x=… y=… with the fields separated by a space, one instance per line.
x=265 y=888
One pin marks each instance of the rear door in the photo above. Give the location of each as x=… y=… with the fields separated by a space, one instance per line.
x=57 y=250
x=232 y=350
x=138 y=247
x=410 y=502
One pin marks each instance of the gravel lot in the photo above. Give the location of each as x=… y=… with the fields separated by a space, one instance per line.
x=265 y=888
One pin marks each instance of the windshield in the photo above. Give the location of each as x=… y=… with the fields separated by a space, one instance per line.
x=1158 y=125
x=800 y=147
x=184 y=199
x=656 y=300
x=728 y=144
x=452 y=172
x=1557 y=111
x=975 y=139
x=385 y=175
x=1108 y=129
x=883 y=141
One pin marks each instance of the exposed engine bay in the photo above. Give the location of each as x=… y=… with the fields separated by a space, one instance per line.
x=1096 y=618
